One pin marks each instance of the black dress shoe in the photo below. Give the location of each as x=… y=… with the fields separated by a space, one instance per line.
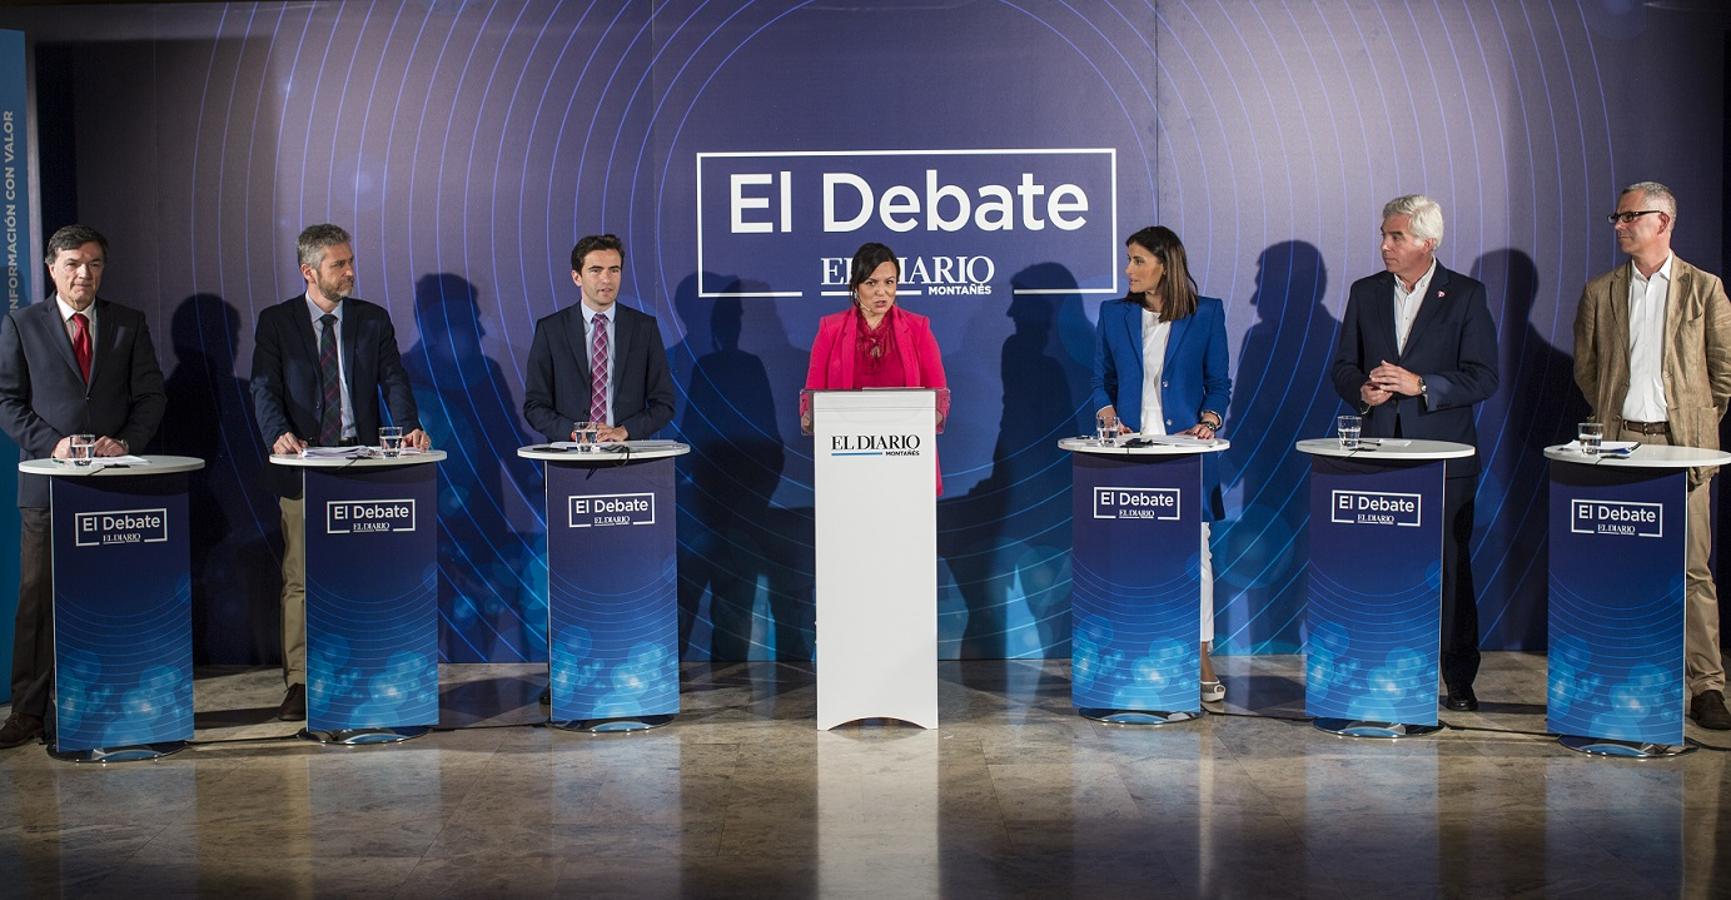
x=294 y=704
x=1462 y=700
x=22 y=728
x=547 y=696
x=1708 y=710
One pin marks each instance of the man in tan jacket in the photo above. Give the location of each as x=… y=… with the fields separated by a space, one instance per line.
x=1653 y=357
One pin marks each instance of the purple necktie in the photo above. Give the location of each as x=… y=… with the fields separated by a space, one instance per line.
x=598 y=371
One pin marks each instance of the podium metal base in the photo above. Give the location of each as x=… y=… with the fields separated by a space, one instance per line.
x=620 y=725
x=355 y=737
x=1383 y=730
x=1623 y=749
x=1138 y=717
x=104 y=755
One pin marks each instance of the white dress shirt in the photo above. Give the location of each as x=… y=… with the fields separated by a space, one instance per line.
x=1407 y=303
x=612 y=353
x=342 y=360
x=1645 y=401
x=1154 y=335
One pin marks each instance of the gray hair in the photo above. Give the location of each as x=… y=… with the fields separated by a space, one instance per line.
x=1654 y=191
x=310 y=247
x=1427 y=217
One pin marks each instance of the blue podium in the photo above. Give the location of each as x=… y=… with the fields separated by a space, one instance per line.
x=612 y=584
x=1618 y=552
x=1136 y=614
x=372 y=596
x=1374 y=607
x=122 y=606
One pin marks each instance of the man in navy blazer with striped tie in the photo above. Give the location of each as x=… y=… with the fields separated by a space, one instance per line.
x=320 y=362
x=596 y=360
x=1417 y=352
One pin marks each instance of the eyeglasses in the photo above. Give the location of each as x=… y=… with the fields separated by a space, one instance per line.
x=1627 y=217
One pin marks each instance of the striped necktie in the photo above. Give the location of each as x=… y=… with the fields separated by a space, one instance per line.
x=330 y=374
x=598 y=371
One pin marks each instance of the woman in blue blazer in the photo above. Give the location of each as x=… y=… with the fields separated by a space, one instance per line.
x=1160 y=366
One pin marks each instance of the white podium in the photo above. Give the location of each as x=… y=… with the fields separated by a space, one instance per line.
x=875 y=459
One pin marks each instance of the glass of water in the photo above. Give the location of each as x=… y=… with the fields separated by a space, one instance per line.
x=390 y=441
x=1592 y=435
x=584 y=435
x=1105 y=429
x=1348 y=427
x=83 y=447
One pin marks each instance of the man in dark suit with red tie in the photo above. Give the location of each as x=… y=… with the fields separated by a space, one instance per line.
x=321 y=360
x=1417 y=352
x=76 y=364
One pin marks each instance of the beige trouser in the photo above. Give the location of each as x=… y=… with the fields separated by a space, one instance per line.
x=1702 y=666
x=294 y=590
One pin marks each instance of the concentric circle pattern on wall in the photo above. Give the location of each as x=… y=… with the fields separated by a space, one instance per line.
x=467 y=146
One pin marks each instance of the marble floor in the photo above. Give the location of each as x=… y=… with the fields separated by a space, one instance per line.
x=1013 y=796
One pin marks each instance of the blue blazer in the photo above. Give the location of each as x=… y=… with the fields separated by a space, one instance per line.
x=286 y=391
x=557 y=384
x=1194 y=376
x=1453 y=347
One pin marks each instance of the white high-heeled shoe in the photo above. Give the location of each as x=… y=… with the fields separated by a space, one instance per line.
x=1213 y=691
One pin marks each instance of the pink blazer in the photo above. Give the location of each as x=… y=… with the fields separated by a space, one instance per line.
x=832 y=359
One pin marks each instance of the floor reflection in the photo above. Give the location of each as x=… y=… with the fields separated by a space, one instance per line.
x=1013 y=794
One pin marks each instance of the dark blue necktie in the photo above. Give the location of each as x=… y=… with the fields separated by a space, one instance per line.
x=331 y=414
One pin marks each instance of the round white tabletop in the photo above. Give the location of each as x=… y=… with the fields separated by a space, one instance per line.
x=1645 y=456
x=408 y=458
x=1087 y=445
x=1385 y=448
x=628 y=451
x=152 y=465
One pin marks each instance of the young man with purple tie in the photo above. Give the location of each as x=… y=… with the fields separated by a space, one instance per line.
x=598 y=361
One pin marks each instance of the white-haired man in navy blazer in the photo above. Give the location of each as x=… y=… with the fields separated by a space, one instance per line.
x=1417 y=352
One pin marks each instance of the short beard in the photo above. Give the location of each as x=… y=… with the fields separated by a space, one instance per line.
x=332 y=292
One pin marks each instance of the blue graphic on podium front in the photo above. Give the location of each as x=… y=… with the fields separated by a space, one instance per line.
x=1618 y=555
x=372 y=598
x=1136 y=598
x=1375 y=596
x=611 y=594
x=122 y=612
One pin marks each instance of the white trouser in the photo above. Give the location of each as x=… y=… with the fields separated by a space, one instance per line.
x=1207 y=588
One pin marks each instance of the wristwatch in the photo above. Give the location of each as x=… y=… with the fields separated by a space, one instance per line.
x=1423 y=389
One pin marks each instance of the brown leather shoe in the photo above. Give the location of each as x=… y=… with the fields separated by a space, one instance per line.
x=20 y=729
x=1708 y=710
x=294 y=704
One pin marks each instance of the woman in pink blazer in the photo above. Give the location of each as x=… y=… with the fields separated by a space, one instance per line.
x=875 y=343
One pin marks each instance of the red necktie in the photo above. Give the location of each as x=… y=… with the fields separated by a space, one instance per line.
x=81 y=344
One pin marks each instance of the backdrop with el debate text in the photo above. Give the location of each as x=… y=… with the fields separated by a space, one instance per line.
x=466 y=146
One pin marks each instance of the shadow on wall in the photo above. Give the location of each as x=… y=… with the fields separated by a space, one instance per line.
x=1282 y=394
x=1007 y=540
x=492 y=575
x=1538 y=405
x=236 y=527
x=745 y=563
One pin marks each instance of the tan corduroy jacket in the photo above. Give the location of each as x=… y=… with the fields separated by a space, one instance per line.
x=1697 y=351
